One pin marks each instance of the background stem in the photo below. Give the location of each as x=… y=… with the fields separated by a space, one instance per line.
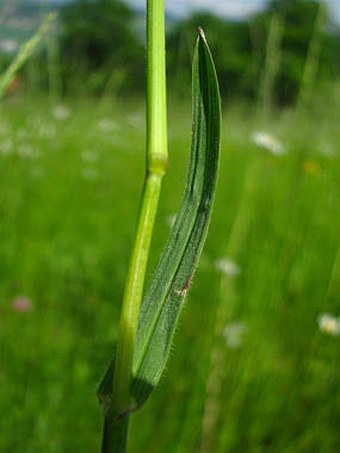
x=116 y=420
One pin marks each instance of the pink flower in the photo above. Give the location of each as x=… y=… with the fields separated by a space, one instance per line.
x=22 y=304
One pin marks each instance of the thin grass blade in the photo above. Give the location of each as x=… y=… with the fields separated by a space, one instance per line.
x=25 y=52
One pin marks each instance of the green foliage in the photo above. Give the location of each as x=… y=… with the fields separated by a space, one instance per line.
x=99 y=47
x=300 y=19
x=240 y=50
x=64 y=246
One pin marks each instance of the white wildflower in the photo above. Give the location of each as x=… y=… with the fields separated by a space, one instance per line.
x=326 y=149
x=46 y=131
x=268 y=142
x=6 y=147
x=8 y=45
x=4 y=129
x=89 y=155
x=227 y=266
x=22 y=134
x=90 y=174
x=329 y=324
x=106 y=125
x=234 y=333
x=136 y=119
x=27 y=151
x=37 y=173
x=61 y=112
x=33 y=122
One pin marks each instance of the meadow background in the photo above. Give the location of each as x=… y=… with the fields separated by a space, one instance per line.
x=255 y=366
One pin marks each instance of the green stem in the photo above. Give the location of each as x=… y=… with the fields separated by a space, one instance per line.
x=116 y=419
x=156 y=97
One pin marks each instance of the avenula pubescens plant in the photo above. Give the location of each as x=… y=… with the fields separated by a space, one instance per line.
x=148 y=323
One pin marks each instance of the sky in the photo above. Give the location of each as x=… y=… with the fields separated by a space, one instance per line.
x=227 y=8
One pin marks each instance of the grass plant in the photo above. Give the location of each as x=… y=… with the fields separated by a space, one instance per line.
x=145 y=336
x=253 y=349
x=58 y=250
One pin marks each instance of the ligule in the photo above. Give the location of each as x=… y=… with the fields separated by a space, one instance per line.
x=170 y=283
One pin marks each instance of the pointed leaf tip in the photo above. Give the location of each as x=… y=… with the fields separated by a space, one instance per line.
x=202 y=34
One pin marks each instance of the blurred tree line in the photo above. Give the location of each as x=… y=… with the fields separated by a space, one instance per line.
x=99 y=47
x=276 y=57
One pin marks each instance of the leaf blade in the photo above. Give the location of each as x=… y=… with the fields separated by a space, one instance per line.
x=152 y=350
x=166 y=294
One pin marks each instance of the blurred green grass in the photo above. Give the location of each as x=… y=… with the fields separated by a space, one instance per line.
x=70 y=183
